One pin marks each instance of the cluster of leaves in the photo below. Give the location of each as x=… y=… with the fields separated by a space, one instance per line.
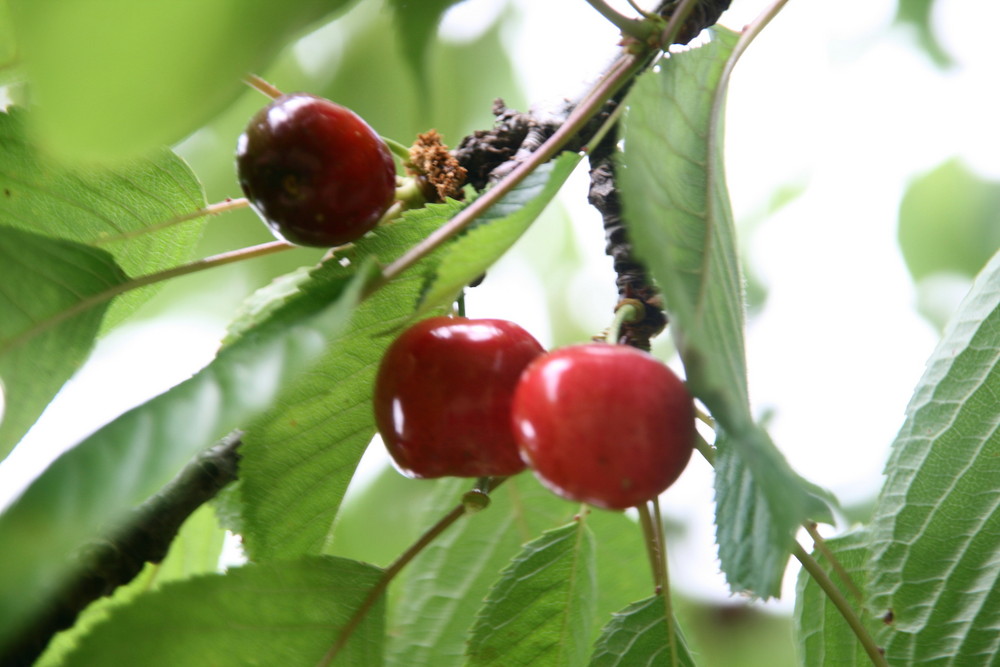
x=527 y=581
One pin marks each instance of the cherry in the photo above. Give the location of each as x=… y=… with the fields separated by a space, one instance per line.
x=314 y=171
x=443 y=393
x=608 y=425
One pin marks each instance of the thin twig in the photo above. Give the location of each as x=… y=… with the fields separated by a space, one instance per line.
x=103 y=565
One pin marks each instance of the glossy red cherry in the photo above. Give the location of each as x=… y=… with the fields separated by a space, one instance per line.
x=314 y=171
x=607 y=425
x=443 y=393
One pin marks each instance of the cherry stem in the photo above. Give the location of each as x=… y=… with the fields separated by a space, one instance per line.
x=211 y=209
x=843 y=606
x=837 y=566
x=262 y=86
x=656 y=548
x=627 y=310
x=482 y=487
x=398 y=149
x=142 y=281
x=638 y=29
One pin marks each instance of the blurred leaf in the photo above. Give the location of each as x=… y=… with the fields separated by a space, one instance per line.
x=116 y=79
x=95 y=484
x=261 y=614
x=8 y=45
x=493 y=234
x=936 y=530
x=118 y=209
x=823 y=635
x=677 y=209
x=462 y=91
x=638 y=636
x=299 y=458
x=42 y=278
x=949 y=221
x=194 y=551
x=416 y=23
x=918 y=14
x=540 y=610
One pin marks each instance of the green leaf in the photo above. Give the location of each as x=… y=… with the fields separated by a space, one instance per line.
x=117 y=79
x=194 y=551
x=949 y=221
x=936 y=529
x=637 y=636
x=539 y=611
x=95 y=484
x=261 y=614
x=753 y=529
x=679 y=219
x=298 y=459
x=468 y=256
x=416 y=23
x=42 y=278
x=823 y=636
x=119 y=210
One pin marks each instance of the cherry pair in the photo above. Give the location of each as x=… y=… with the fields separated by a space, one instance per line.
x=604 y=424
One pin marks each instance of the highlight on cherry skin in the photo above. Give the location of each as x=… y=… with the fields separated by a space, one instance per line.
x=607 y=425
x=314 y=171
x=443 y=395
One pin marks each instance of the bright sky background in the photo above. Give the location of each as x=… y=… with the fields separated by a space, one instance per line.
x=830 y=98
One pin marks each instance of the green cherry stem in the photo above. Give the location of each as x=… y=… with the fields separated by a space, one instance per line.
x=142 y=281
x=656 y=548
x=404 y=559
x=398 y=149
x=639 y=29
x=627 y=310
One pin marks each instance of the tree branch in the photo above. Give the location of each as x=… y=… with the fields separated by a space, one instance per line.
x=102 y=566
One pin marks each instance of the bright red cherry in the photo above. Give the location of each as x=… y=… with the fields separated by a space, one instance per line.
x=443 y=393
x=607 y=425
x=314 y=171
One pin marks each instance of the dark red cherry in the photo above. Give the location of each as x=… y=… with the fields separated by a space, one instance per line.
x=607 y=425
x=443 y=393
x=314 y=171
